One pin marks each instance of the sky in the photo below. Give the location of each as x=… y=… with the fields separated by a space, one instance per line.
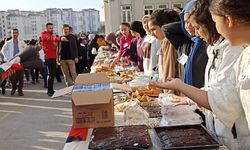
x=38 y=5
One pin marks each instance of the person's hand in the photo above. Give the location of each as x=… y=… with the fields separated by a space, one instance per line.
x=76 y=60
x=114 y=62
x=171 y=83
x=58 y=62
x=112 y=65
x=179 y=100
x=64 y=39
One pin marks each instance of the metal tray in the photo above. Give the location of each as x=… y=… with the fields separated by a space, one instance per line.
x=119 y=138
x=212 y=142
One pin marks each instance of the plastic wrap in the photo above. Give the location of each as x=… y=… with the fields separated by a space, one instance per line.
x=136 y=115
x=177 y=115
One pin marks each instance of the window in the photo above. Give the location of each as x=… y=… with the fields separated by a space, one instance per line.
x=148 y=9
x=177 y=5
x=162 y=6
x=126 y=13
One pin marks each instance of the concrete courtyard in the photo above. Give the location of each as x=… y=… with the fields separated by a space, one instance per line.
x=34 y=121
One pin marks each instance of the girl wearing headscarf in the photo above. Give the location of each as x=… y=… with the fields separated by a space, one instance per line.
x=111 y=39
x=197 y=58
x=135 y=52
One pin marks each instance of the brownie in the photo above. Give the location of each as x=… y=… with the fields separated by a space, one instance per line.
x=153 y=111
x=127 y=138
x=184 y=137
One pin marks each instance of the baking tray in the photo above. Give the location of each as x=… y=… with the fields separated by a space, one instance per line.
x=203 y=133
x=117 y=139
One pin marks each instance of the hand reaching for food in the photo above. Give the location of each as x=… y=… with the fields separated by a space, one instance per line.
x=171 y=83
x=179 y=100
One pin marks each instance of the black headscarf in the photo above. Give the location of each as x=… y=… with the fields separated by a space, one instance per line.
x=138 y=27
x=173 y=32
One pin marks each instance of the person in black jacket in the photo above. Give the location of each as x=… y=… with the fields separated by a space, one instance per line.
x=68 y=56
x=180 y=41
x=82 y=65
x=92 y=49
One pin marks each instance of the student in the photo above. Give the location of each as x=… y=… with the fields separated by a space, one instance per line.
x=194 y=68
x=135 y=51
x=150 y=47
x=111 y=39
x=125 y=41
x=82 y=65
x=168 y=59
x=228 y=99
x=93 y=49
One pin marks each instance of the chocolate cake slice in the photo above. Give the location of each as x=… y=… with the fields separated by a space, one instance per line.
x=122 y=138
x=153 y=111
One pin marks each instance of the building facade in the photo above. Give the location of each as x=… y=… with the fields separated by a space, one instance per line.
x=31 y=24
x=3 y=25
x=92 y=19
x=117 y=11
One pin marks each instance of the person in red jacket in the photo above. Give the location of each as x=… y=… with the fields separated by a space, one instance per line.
x=49 y=46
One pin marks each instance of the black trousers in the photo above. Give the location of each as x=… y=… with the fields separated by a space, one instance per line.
x=34 y=74
x=51 y=63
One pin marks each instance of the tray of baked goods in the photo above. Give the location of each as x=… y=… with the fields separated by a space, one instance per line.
x=186 y=137
x=153 y=108
x=122 y=138
x=145 y=92
x=122 y=76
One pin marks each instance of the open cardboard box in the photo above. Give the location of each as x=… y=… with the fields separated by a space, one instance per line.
x=92 y=108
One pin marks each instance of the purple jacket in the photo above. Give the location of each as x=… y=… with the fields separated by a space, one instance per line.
x=135 y=52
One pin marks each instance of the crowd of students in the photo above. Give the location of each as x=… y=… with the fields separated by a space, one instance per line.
x=200 y=54
x=66 y=55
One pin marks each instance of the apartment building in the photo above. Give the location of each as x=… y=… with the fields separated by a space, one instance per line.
x=31 y=23
x=117 y=11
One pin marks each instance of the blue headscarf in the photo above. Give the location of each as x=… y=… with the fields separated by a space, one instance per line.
x=185 y=10
x=198 y=42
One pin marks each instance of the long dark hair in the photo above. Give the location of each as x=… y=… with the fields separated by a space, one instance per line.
x=237 y=8
x=200 y=13
x=164 y=16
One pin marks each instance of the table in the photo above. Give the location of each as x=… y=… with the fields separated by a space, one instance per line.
x=83 y=145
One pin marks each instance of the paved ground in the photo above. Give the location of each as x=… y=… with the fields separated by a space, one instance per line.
x=34 y=121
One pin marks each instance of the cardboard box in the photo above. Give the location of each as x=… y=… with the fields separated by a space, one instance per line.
x=92 y=107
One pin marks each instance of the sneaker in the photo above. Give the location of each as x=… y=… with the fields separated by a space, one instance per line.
x=50 y=93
